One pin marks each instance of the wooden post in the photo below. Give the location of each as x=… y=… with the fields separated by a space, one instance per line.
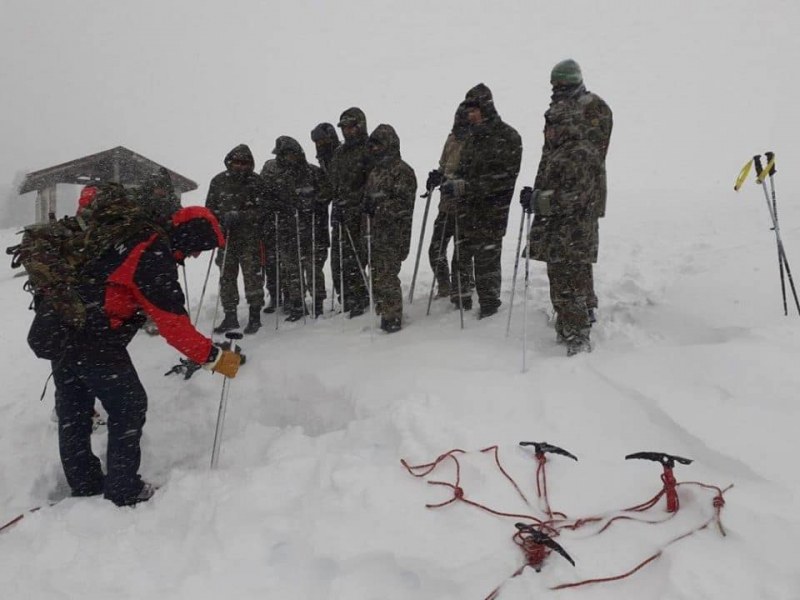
x=41 y=206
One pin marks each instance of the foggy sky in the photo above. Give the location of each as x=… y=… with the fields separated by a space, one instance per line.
x=696 y=87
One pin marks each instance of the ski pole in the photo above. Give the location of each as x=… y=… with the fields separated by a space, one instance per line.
x=458 y=272
x=313 y=266
x=525 y=299
x=772 y=171
x=341 y=270
x=277 y=275
x=361 y=269
x=205 y=283
x=441 y=251
x=369 y=288
x=516 y=266
x=223 y=404
x=300 y=267
x=221 y=274
x=427 y=195
x=762 y=174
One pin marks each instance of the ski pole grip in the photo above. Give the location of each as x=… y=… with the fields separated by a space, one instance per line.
x=771 y=159
x=759 y=166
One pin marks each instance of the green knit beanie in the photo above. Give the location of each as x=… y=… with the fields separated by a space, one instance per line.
x=566 y=72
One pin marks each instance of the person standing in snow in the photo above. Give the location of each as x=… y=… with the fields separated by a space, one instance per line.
x=326 y=142
x=348 y=173
x=484 y=186
x=237 y=197
x=129 y=273
x=389 y=204
x=568 y=199
x=444 y=225
x=298 y=192
x=157 y=196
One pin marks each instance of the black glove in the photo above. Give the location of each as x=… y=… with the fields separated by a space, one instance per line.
x=230 y=219
x=370 y=203
x=454 y=187
x=526 y=198
x=435 y=178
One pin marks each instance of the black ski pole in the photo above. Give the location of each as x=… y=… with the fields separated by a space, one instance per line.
x=772 y=171
x=205 y=283
x=300 y=267
x=439 y=258
x=427 y=195
x=221 y=275
x=458 y=271
x=761 y=178
x=516 y=267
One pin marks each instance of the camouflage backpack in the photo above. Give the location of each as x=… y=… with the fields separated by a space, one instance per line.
x=54 y=255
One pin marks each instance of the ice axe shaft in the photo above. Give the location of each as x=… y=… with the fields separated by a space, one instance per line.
x=667 y=477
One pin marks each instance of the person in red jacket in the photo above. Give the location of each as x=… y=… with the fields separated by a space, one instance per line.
x=135 y=278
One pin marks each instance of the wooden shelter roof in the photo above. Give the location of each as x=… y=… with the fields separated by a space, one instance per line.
x=117 y=164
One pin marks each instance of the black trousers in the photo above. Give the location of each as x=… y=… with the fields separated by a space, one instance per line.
x=108 y=375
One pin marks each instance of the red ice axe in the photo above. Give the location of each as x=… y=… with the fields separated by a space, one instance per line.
x=668 y=463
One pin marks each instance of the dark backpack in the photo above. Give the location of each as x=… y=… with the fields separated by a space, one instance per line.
x=55 y=256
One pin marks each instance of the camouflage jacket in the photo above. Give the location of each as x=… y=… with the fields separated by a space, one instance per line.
x=348 y=173
x=298 y=193
x=392 y=187
x=489 y=165
x=448 y=164
x=596 y=120
x=572 y=169
x=244 y=193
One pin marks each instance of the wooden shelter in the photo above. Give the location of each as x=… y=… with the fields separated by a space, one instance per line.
x=119 y=165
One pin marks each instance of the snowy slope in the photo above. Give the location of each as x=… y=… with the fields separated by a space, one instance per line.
x=693 y=355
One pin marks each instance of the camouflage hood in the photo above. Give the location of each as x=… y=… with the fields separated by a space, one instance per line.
x=385 y=138
x=285 y=148
x=240 y=152
x=355 y=116
x=159 y=180
x=326 y=132
x=482 y=96
x=460 y=122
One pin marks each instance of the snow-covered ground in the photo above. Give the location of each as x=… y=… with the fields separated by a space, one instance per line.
x=693 y=355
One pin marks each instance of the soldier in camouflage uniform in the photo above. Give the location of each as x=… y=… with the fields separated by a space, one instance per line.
x=237 y=197
x=326 y=141
x=444 y=225
x=157 y=197
x=389 y=204
x=349 y=169
x=484 y=185
x=299 y=194
x=569 y=199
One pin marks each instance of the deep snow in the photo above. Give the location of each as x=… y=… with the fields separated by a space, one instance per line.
x=693 y=355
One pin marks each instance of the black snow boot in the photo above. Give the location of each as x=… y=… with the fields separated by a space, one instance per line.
x=229 y=323
x=254 y=324
x=270 y=308
x=488 y=310
x=319 y=307
x=391 y=325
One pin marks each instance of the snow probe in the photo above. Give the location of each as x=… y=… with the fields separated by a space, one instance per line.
x=427 y=195
x=668 y=462
x=314 y=266
x=369 y=281
x=341 y=269
x=223 y=403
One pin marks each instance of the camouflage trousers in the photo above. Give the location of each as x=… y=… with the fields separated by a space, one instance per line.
x=309 y=272
x=248 y=257
x=346 y=268
x=386 y=289
x=480 y=256
x=443 y=231
x=570 y=293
